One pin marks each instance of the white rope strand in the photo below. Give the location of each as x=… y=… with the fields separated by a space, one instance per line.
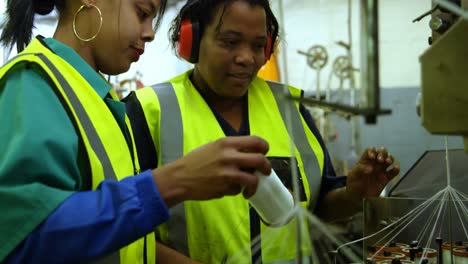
x=441 y=205
x=463 y=209
x=420 y=211
x=447 y=162
x=424 y=204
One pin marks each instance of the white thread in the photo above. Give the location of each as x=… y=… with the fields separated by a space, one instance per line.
x=426 y=248
x=393 y=224
x=256 y=243
x=462 y=207
x=405 y=218
x=272 y=200
x=319 y=226
x=447 y=163
x=426 y=226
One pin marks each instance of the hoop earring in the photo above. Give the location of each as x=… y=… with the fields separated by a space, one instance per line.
x=100 y=23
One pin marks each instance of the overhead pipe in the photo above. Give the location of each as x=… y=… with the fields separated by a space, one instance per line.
x=370 y=82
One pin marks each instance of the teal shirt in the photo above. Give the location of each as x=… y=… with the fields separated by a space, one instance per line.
x=39 y=146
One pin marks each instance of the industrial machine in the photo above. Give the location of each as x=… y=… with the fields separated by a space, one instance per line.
x=424 y=219
x=444 y=74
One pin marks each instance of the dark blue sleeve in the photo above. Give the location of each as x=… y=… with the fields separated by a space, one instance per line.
x=94 y=223
x=329 y=179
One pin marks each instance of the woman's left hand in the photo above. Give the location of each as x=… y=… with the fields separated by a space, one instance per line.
x=371 y=173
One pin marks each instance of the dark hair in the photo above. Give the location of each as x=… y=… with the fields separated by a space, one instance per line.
x=161 y=11
x=19 y=25
x=204 y=11
x=20 y=21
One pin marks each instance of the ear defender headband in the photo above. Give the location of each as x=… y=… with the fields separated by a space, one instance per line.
x=189 y=41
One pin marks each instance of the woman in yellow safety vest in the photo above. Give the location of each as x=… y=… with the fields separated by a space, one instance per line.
x=228 y=41
x=66 y=149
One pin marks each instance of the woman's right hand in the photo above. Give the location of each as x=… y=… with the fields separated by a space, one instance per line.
x=223 y=167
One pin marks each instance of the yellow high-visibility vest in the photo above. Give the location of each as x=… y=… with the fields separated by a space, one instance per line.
x=180 y=120
x=106 y=148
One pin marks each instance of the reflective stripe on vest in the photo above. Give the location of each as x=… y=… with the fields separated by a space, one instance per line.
x=90 y=131
x=172 y=149
x=94 y=140
x=311 y=165
x=171 y=123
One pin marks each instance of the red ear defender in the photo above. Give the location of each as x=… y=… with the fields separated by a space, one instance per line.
x=268 y=48
x=189 y=40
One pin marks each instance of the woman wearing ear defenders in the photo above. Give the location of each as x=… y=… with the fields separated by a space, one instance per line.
x=229 y=41
x=66 y=151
